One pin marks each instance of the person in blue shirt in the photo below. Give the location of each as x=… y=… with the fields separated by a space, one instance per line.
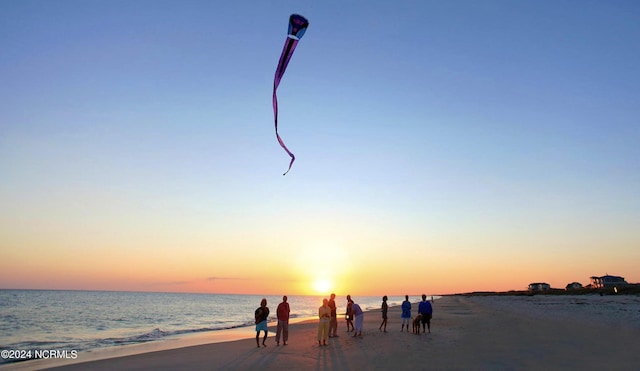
x=406 y=313
x=426 y=310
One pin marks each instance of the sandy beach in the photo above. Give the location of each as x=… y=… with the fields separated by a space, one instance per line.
x=586 y=332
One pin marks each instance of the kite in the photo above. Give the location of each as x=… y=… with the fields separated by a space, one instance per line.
x=297 y=26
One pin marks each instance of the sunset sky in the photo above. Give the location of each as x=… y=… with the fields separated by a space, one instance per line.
x=442 y=146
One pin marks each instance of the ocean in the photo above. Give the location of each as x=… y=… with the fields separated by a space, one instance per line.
x=87 y=320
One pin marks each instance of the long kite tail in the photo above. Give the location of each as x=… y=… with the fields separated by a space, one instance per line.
x=287 y=52
x=297 y=27
x=275 y=113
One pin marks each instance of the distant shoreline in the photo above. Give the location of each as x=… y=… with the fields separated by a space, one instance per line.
x=630 y=289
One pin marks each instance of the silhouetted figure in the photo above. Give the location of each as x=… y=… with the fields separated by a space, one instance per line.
x=283 y=321
x=333 y=324
x=385 y=308
x=426 y=310
x=349 y=314
x=262 y=314
x=406 y=313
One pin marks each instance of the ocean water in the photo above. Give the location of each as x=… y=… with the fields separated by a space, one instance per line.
x=85 y=320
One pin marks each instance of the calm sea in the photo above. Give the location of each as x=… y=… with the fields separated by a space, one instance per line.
x=84 y=320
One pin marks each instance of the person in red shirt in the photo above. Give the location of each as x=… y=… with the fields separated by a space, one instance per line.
x=283 y=321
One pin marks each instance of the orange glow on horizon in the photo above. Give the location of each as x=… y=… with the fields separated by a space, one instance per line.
x=316 y=269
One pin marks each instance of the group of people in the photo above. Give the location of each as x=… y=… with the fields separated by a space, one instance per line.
x=425 y=312
x=328 y=318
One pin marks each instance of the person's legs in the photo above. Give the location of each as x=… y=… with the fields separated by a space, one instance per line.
x=262 y=326
x=325 y=334
x=278 y=332
x=333 y=327
x=285 y=332
x=323 y=329
x=425 y=319
x=359 y=323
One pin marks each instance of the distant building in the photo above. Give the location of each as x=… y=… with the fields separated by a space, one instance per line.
x=608 y=281
x=574 y=286
x=539 y=286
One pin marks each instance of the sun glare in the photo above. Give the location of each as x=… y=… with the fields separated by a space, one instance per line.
x=325 y=279
x=322 y=286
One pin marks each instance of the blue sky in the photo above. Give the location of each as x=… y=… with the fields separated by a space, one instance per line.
x=449 y=132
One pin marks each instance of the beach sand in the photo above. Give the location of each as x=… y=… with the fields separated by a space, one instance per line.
x=468 y=333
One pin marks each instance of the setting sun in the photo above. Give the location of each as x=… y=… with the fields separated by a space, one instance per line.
x=322 y=286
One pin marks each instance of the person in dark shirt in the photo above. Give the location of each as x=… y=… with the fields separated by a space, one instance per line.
x=385 y=308
x=262 y=314
x=333 y=324
x=426 y=310
x=349 y=314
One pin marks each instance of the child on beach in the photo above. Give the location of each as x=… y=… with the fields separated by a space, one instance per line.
x=262 y=313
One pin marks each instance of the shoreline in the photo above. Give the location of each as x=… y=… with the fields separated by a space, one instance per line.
x=169 y=343
x=139 y=322
x=468 y=332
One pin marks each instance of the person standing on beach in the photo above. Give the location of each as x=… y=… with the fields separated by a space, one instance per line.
x=333 y=324
x=406 y=313
x=324 y=315
x=349 y=314
x=283 y=321
x=426 y=310
x=359 y=319
x=262 y=314
x=385 y=308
